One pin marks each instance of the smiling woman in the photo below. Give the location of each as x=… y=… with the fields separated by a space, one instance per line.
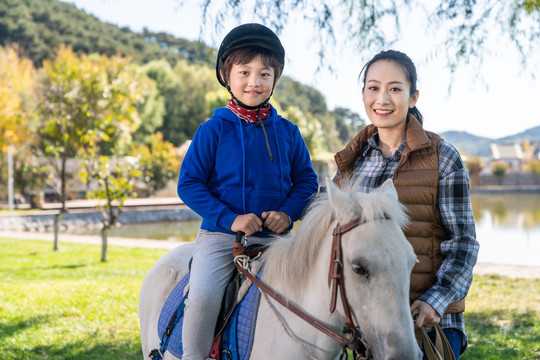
x=430 y=180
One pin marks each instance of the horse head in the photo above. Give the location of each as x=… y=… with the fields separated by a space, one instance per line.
x=376 y=261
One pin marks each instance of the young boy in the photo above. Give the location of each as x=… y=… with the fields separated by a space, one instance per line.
x=247 y=169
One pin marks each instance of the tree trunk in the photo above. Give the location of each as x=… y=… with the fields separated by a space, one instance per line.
x=104 y=233
x=57 y=219
x=59 y=216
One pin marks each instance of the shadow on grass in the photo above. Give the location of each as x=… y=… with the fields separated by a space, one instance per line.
x=502 y=335
x=73 y=266
x=9 y=330
x=79 y=350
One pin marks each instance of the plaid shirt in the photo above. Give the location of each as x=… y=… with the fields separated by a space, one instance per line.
x=460 y=248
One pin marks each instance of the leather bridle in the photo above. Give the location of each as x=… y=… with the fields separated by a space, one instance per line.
x=336 y=280
x=351 y=336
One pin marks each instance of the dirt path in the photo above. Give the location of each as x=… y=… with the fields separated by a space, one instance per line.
x=512 y=271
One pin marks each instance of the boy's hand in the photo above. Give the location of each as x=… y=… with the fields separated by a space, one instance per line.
x=248 y=223
x=427 y=315
x=276 y=221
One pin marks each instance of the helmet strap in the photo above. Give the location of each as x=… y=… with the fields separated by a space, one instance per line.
x=248 y=107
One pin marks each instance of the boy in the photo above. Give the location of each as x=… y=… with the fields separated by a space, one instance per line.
x=247 y=169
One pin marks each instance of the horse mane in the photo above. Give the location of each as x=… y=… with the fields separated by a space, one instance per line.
x=296 y=252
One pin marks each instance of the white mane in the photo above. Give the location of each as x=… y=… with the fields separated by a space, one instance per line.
x=294 y=254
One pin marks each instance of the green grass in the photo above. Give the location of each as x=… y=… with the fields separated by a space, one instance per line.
x=69 y=305
x=503 y=319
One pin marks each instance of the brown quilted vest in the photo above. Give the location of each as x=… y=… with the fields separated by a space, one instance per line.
x=416 y=180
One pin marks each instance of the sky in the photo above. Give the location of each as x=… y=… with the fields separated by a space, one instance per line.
x=503 y=102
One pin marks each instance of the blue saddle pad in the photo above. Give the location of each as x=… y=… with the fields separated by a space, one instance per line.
x=236 y=338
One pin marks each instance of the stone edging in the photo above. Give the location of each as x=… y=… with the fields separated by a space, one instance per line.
x=45 y=222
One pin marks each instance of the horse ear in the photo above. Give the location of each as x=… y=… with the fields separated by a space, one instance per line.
x=341 y=203
x=388 y=188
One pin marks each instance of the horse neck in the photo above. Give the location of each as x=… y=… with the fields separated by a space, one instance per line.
x=296 y=262
x=311 y=294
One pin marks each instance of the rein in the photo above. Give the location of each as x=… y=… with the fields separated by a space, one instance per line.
x=350 y=337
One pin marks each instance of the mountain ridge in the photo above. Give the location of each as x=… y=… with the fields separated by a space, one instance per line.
x=474 y=145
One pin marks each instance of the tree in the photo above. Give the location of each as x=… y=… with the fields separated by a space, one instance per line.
x=16 y=102
x=309 y=127
x=122 y=90
x=184 y=90
x=348 y=123
x=190 y=107
x=151 y=111
x=30 y=174
x=336 y=126
x=466 y=26
x=534 y=168
x=116 y=181
x=71 y=90
x=40 y=27
x=499 y=170
x=158 y=163
x=474 y=166
x=87 y=105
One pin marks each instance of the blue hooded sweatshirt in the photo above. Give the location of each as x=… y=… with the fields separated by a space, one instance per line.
x=227 y=170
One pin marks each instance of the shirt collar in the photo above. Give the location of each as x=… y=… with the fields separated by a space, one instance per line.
x=372 y=143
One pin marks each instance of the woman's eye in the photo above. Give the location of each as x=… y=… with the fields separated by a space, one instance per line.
x=395 y=89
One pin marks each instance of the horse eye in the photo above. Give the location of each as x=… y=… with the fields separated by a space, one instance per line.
x=360 y=270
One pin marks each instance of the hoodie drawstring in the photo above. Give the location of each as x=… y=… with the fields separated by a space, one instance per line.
x=280 y=168
x=241 y=129
x=265 y=135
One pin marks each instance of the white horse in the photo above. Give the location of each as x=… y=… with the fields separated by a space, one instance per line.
x=377 y=262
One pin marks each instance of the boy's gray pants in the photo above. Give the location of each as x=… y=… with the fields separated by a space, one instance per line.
x=211 y=269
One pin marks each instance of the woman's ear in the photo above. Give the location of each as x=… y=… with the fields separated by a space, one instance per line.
x=414 y=99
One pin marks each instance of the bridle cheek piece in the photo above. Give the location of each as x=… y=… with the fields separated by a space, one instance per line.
x=336 y=280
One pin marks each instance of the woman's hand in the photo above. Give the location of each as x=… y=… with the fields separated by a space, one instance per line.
x=276 y=221
x=248 y=223
x=427 y=315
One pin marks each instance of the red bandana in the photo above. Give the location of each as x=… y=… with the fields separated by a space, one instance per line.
x=249 y=116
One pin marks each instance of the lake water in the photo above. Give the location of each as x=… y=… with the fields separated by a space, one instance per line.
x=507 y=227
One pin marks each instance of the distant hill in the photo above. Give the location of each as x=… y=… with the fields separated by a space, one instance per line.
x=533 y=134
x=480 y=146
x=40 y=26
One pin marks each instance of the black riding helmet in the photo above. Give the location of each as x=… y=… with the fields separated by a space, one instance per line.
x=248 y=35
x=245 y=35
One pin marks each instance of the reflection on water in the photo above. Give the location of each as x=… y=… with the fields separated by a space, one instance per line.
x=170 y=231
x=508 y=228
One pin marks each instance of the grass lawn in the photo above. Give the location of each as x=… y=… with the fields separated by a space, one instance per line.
x=69 y=305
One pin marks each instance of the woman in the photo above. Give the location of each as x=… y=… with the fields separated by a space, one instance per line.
x=431 y=182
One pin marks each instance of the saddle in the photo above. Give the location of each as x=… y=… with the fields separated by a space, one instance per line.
x=235 y=325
